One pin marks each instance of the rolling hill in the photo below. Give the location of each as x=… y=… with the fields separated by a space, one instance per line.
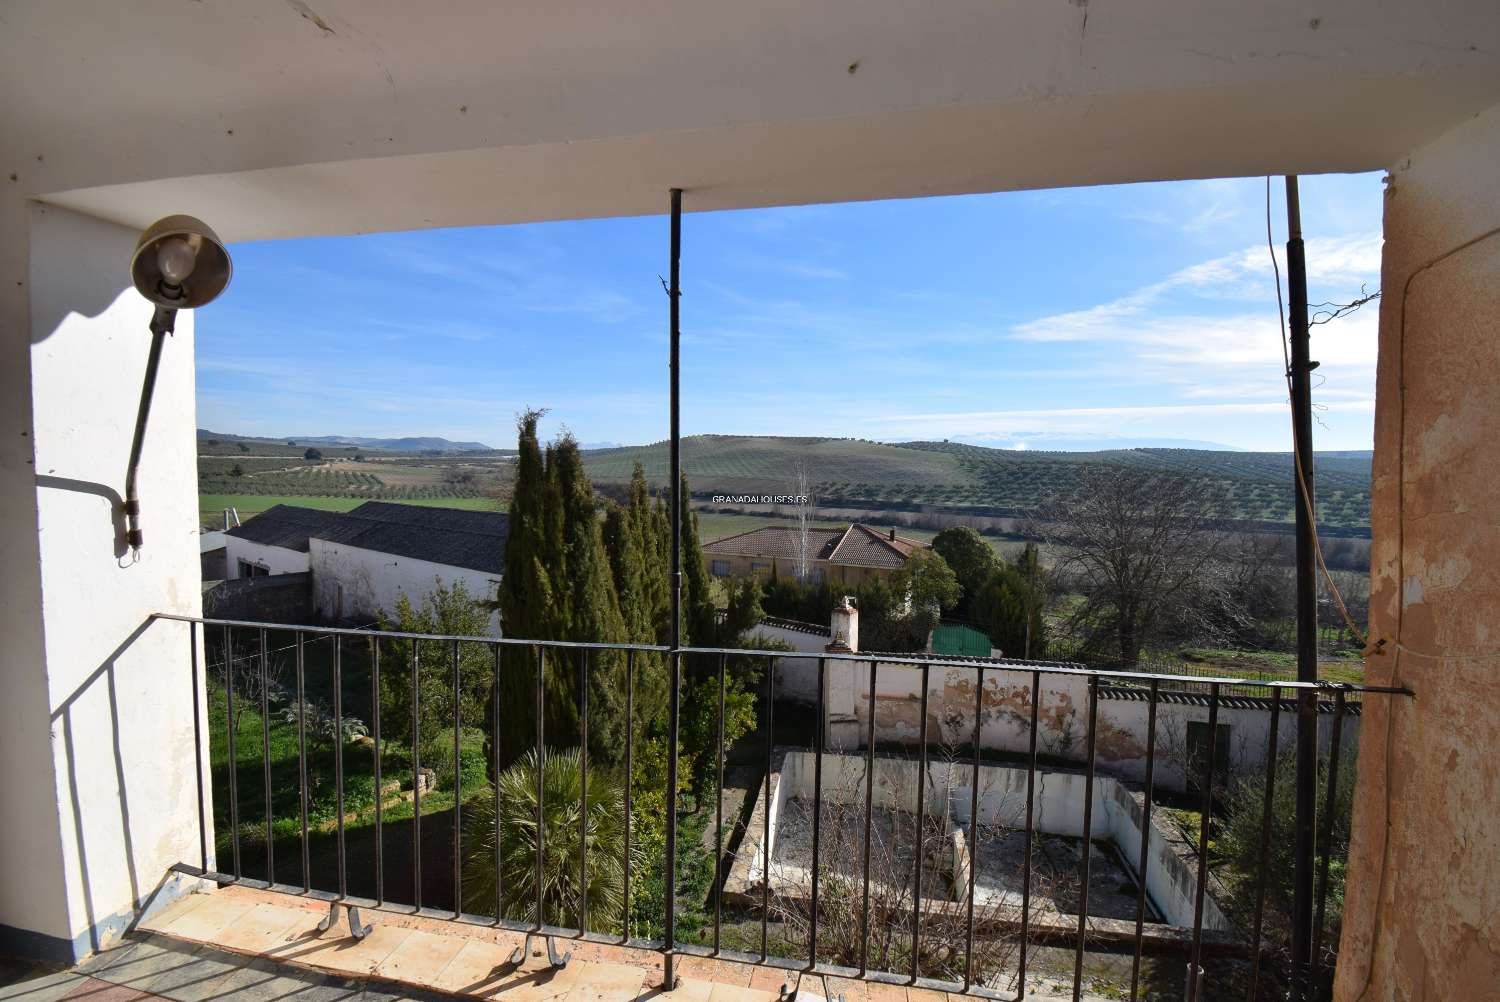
x=1257 y=486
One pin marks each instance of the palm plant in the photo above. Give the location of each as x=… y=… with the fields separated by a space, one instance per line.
x=563 y=811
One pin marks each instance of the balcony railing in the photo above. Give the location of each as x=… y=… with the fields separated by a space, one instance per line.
x=831 y=916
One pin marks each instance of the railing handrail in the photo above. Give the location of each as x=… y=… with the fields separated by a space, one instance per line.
x=914 y=660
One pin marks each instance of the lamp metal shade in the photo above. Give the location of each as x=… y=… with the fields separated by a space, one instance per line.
x=211 y=267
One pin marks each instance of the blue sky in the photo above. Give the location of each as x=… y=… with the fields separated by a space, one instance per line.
x=1024 y=320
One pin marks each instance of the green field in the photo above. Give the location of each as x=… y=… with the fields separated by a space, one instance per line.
x=211 y=506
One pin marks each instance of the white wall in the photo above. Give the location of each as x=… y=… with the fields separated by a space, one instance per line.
x=372 y=582
x=1122 y=726
x=1059 y=799
x=796 y=678
x=275 y=559
x=98 y=808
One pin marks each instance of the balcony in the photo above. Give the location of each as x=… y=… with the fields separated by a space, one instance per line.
x=1010 y=906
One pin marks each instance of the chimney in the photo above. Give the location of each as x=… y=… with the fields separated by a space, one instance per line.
x=893 y=533
x=843 y=627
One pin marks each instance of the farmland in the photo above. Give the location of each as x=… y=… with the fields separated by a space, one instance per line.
x=900 y=484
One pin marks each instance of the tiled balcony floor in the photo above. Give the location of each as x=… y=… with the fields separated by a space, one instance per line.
x=264 y=946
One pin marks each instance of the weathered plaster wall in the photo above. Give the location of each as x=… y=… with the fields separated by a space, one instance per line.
x=119 y=765
x=372 y=582
x=1422 y=919
x=1122 y=726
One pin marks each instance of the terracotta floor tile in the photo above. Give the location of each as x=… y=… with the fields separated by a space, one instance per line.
x=341 y=953
x=734 y=993
x=687 y=990
x=420 y=958
x=473 y=968
x=208 y=920
x=263 y=927
x=163 y=917
x=925 y=995
x=770 y=979
x=608 y=983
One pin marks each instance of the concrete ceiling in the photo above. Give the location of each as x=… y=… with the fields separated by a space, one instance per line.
x=275 y=118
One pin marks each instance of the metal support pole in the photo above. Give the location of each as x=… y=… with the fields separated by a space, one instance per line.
x=674 y=692
x=1307 y=604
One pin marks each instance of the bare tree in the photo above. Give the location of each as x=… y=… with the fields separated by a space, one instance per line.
x=1140 y=548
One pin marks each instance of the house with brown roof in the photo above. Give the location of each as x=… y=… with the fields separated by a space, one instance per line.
x=848 y=556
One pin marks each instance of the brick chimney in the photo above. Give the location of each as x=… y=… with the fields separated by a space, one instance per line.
x=843 y=627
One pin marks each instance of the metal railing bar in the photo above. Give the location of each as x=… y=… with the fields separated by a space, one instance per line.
x=765 y=834
x=583 y=775
x=629 y=784
x=864 y=912
x=416 y=773
x=916 y=911
x=817 y=809
x=338 y=758
x=1195 y=962
x=234 y=759
x=1335 y=740
x=458 y=794
x=265 y=758
x=1088 y=839
x=198 y=744
x=1262 y=876
x=719 y=875
x=354 y=631
x=379 y=796
x=1036 y=706
x=541 y=756
x=973 y=830
x=494 y=750
x=1145 y=858
x=302 y=759
x=1046 y=668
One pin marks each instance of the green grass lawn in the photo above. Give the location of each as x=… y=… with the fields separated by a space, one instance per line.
x=211 y=506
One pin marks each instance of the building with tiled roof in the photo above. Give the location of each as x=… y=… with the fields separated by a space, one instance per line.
x=850 y=556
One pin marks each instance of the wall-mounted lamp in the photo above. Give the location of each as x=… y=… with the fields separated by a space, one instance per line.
x=178 y=264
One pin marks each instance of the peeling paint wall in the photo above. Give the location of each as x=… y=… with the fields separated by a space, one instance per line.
x=1422 y=917
x=1122 y=727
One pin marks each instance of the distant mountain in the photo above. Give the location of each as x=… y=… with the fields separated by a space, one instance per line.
x=413 y=444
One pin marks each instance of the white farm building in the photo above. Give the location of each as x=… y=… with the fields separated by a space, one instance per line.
x=360 y=562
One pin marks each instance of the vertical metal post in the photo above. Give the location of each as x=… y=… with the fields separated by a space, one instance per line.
x=375 y=736
x=1036 y=708
x=1146 y=830
x=629 y=784
x=198 y=746
x=416 y=774
x=583 y=777
x=973 y=828
x=719 y=808
x=234 y=759
x=864 y=908
x=541 y=765
x=1307 y=603
x=458 y=795
x=495 y=789
x=674 y=695
x=1205 y=823
x=1088 y=838
x=1325 y=856
x=265 y=760
x=338 y=757
x=1263 y=871
x=812 y=932
x=302 y=757
x=916 y=891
